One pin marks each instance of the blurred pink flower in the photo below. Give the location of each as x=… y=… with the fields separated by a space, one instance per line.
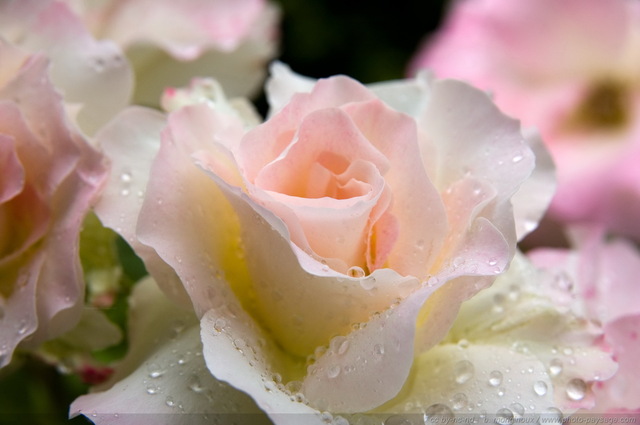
x=570 y=68
x=93 y=76
x=169 y=42
x=600 y=280
x=49 y=176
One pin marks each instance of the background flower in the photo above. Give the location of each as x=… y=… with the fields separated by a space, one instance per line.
x=231 y=40
x=600 y=279
x=93 y=76
x=50 y=177
x=569 y=68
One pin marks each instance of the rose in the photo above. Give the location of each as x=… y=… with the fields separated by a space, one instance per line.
x=93 y=76
x=50 y=177
x=599 y=278
x=569 y=68
x=512 y=354
x=174 y=41
x=423 y=179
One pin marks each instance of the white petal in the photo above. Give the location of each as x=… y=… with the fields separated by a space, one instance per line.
x=131 y=142
x=163 y=379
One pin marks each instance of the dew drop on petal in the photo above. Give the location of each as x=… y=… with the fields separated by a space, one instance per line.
x=355 y=271
x=169 y=401
x=195 y=385
x=152 y=389
x=504 y=417
x=495 y=378
x=155 y=371
x=400 y=420
x=333 y=371
x=555 y=367
x=463 y=371
x=552 y=416
x=540 y=388
x=378 y=349
x=517 y=408
x=576 y=389
x=438 y=414
x=459 y=401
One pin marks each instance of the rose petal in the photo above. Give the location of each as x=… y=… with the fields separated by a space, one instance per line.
x=131 y=141
x=622 y=390
x=423 y=220
x=282 y=84
x=11 y=166
x=236 y=351
x=533 y=197
x=164 y=379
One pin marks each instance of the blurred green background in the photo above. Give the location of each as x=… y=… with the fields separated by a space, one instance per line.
x=367 y=40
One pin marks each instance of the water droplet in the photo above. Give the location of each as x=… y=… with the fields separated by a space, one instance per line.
x=438 y=414
x=340 y=345
x=355 y=271
x=239 y=344
x=152 y=389
x=170 y=402
x=155 y=371
x=517 y=409
x=576 y=389
x=504 y=417
x=552 y=416
x=563 y=281
x=293 y=386
x=495 y=378
x=22 y=327
x=195 y=385
x=368 y=284
x=378 y=349
x=432 y=281
x=501 y=391
x=555 y=367
x=517 y=158
x=459 y=401
x=463 y=371
x=269 y=386
x=401 y=420
x=333 y=371
x=219 y=324
x=125 y=177
x=463 y=343
x=492 y=262
x=540 y=388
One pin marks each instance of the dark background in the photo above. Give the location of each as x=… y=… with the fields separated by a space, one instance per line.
x=368 y=40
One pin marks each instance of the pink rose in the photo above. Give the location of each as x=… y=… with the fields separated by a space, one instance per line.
x=346 y=230
x=569 y=68
x=50 y=176
x=601 y=280
x=169 y=42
